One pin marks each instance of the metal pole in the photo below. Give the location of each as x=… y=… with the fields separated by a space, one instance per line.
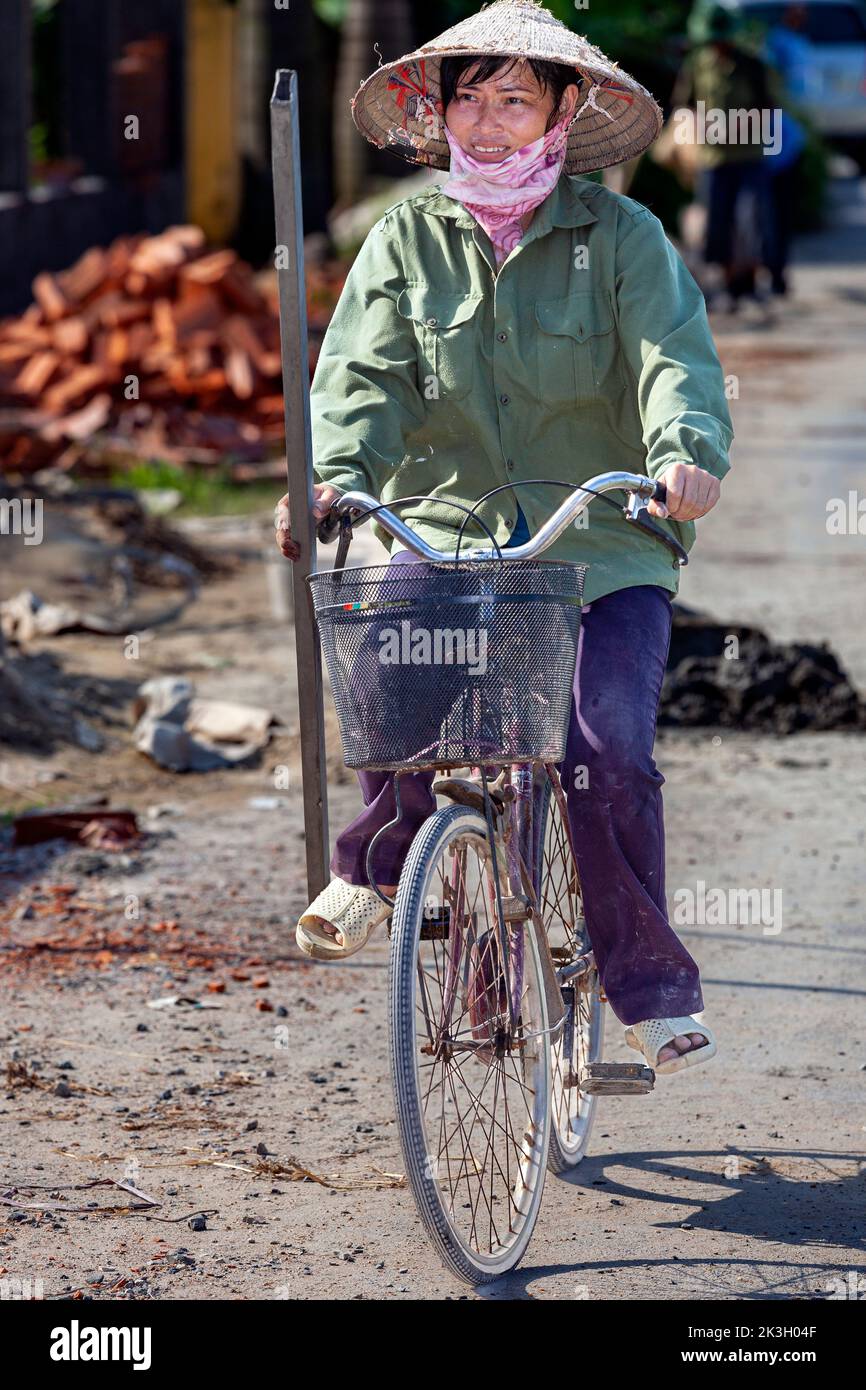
x=286 y=158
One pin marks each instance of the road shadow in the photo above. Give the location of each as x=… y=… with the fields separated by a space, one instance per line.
x=709 y=1277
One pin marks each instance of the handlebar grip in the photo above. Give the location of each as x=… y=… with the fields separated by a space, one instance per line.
x=328 y=527
x=660 y=492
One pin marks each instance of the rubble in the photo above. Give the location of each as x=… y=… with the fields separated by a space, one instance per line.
x=128 y=559
x=732 y=676
x=186 y=734
x=98 y=829
x=41 y=707
x=25 y=616
x=159 y=554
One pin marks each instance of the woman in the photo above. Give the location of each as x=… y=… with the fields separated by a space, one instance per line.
x=519 y=323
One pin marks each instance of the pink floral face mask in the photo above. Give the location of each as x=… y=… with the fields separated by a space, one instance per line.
x=499 y=195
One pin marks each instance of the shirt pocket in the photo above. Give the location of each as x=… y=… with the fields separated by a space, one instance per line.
x=445 y=334
x=578 y=350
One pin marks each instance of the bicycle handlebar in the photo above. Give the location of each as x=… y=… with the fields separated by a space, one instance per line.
x=638 y=485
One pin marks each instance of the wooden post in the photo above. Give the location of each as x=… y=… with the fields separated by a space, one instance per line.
x=286 y=160
x=213 y=166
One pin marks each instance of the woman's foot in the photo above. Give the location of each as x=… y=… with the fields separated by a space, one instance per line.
x=340 y=920
x=684 y=1042
x=331 y=930
x=669 y=1044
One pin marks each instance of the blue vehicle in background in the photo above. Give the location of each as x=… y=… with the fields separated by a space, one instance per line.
x=820 y=48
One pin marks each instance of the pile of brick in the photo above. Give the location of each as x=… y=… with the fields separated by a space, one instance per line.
x=154 y=347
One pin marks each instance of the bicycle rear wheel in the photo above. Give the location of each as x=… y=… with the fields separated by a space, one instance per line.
x=471 y=1076
x=582 y=1035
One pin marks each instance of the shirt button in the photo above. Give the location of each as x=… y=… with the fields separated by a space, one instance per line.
x=508 y=523
x=504 y=399
x=503 y=337
x=509 y=464
x=431 y=323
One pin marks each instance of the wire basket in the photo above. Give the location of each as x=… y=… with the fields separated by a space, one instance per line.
x=450 y=665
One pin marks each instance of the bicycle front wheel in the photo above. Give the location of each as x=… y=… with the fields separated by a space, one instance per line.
x=470 y=1051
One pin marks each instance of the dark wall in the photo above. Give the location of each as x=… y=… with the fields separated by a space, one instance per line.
x=117 y=188
x=93 y=37
x=294 y=38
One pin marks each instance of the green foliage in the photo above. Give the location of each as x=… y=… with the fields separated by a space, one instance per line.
x=644 y=38
x=210 y=493
x=812 y=175
x=45 y=132
x=331 y=11
x=39 y=148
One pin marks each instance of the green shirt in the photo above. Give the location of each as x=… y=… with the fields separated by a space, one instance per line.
x=588 y=351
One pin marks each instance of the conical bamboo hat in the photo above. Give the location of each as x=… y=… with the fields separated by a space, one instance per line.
x=400 y=104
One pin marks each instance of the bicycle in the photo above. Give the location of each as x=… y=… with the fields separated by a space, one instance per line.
x=496 y=1012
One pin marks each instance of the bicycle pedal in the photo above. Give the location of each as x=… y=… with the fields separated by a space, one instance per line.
x=615 y=1079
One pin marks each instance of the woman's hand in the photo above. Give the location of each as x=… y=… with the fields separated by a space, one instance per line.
x=323 y=496
x=691 y=492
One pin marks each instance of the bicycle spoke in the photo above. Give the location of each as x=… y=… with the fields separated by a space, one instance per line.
x=477 y=1082
x=561 y=907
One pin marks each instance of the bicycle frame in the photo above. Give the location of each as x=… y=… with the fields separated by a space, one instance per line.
x=519 y=832
x=518 y=836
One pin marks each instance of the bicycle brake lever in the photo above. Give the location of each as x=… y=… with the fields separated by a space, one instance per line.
x=328 y=527
x=637 y=516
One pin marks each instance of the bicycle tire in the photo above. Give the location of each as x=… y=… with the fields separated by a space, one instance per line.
x=443 y=829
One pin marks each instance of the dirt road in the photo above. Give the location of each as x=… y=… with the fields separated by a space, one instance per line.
x=272 y=1112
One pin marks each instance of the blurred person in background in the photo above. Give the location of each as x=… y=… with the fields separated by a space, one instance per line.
x=725 y=73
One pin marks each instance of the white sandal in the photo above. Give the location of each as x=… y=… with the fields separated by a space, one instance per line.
x=653 y=1034
x=350 y=907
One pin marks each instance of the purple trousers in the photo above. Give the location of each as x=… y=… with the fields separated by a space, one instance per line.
x=614 y=797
